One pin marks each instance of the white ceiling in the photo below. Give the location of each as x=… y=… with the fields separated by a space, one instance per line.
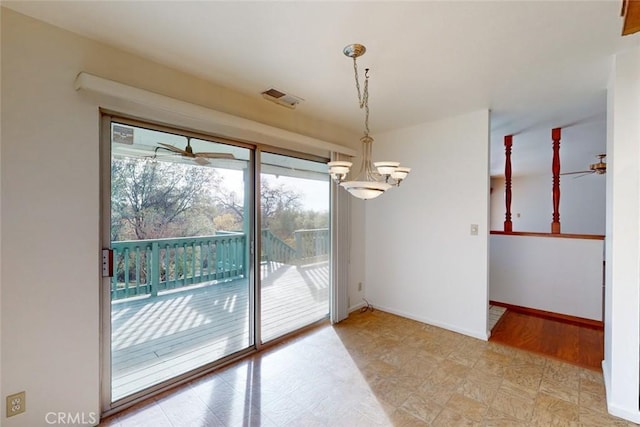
x=536 y=63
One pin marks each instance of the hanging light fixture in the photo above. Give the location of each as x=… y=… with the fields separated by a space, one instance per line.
x=373 y=178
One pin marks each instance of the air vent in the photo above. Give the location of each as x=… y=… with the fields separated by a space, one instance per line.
x=281 y=98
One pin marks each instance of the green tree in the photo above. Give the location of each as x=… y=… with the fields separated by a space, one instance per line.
x=151 y=199
x=280 y=207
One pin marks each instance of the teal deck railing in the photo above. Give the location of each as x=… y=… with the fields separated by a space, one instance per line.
x=146 y=267
x=312 y=244
x=149 y=266
x=275 y=249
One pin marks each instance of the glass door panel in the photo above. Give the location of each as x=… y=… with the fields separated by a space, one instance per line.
x=180 y=233
x=294 y=257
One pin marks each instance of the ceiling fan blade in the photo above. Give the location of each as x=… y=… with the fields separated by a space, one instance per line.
x=216 y=155
x=584 y=174
x=573 y=173
x=201 y=161
x=174 y=149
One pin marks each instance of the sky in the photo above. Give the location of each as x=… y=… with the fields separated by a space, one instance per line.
x=314 y=193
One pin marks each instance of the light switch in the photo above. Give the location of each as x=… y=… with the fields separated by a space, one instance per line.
x=474 y=229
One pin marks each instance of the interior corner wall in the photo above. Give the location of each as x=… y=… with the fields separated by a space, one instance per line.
x=421 y=260
x=50 y=217
x=622 y=283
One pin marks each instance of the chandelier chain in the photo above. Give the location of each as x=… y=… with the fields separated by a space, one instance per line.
x=363 y=96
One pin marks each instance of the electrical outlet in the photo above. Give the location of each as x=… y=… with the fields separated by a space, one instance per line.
x=359 y=286
x=16 y=404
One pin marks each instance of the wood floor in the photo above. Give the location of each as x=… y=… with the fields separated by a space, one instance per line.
x=577 y=344
x=157 y=338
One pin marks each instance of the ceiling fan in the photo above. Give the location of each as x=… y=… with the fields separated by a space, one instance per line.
x=599 y=168
x=199 y=158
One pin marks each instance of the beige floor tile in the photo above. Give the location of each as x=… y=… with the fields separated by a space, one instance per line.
x=401 y=418
x=593 y=401
x=561 y=372
x=590 y=418
x=595 y=376
x=516 y=406
x=450 y=418
x=527 y=375
x=564 y=391
x=492 y=365
x=421 y=407
x=496 y=418
x=554 y=411
x=421 y=366
x=398 y=356
x=479 y=389
x=590 y=386
x=518 y=390
x=522 y=356
x=440 y=386
x=451 y=367
x=467 y=356
x=467 y=407
x=390 y=391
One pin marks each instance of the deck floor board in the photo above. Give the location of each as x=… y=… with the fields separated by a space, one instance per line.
x=157 y=338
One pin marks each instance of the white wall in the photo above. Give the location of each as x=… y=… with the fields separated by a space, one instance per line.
x=496 y=204
x=622 y=297
x=421 y=261
x=531 y=206
x=547 y=273
x=50 y=336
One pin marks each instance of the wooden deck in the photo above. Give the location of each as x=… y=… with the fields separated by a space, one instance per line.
x=157 y=338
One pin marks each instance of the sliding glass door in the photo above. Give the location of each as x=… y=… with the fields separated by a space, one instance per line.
x=190 y=289
x=180 y=231
x=294 y=227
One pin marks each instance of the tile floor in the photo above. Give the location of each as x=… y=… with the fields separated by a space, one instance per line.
x=377 y=369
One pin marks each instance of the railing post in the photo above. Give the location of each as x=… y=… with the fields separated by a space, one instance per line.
x=155 y=268
x=299 y=249
x=555 y=168
x=508 y=225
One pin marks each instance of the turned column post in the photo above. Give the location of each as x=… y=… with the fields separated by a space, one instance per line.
x=555 y=168
x=508 y=225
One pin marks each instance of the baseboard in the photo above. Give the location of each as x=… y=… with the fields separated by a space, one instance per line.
x=612 y=408
x=356 y=307
x=616 y=411
x=607 y=381
x=580 y=321
x=484 y=336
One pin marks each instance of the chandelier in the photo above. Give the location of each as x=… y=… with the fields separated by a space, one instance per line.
x=374 y=178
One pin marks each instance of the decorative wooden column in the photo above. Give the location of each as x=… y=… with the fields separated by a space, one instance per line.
x=508 y=225
x=555 y=168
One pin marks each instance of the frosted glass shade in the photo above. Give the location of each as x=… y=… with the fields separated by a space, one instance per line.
x=400 y=173
x=339 y=167
x=386 y=168
x=366 y=189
